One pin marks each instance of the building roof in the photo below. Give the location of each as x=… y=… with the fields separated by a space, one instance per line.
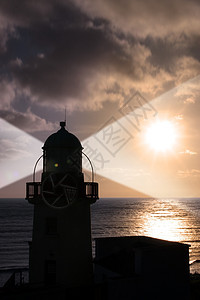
x=62 y=139
x=106 y=246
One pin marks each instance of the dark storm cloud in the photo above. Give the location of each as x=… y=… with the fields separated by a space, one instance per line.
x=63 y=57
x=70 y=59
x=143 y=18
x=83 y=53
x=25 y=13
x=165 y=51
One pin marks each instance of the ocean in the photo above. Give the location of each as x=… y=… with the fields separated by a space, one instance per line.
x=170 y=219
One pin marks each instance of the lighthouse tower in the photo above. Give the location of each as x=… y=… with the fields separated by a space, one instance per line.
x=61 y=248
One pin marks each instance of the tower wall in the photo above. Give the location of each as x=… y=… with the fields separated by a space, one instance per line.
x=62 y=239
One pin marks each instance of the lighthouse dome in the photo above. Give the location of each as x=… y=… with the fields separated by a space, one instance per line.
x=62 y=153
x=63 y=139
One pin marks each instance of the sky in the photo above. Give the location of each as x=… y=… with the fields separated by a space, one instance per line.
x=102 y=61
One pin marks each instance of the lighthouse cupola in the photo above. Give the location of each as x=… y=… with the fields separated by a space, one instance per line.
x=62 y=153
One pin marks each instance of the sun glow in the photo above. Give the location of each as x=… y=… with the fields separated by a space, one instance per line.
x=167 y=229
x=161 y=136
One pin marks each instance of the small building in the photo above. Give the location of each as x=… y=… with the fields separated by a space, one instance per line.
x=139 y=267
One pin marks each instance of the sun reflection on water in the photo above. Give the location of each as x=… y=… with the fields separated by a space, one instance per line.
x=165 y=221
x=167 y=229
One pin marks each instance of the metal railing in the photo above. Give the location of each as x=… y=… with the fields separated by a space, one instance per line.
x=91 y=190
x=33 y=190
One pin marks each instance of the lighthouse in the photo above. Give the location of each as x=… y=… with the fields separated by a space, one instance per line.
x=61 y=248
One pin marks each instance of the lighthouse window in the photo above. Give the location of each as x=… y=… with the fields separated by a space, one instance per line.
x=51 y=226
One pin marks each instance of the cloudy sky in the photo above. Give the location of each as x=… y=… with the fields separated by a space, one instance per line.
x=90 y=57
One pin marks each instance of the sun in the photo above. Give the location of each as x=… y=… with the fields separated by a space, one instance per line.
x=161 y=135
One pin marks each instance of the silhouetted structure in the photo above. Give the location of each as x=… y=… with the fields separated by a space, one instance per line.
x=61 y=247
x=138 y=267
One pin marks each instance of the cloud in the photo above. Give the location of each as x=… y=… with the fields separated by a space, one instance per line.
x=189 y=100
x=79 y=68
x=144 y=18
x=188 y=173
x=23 y=13
x=188 y=152
x=7 y=29
x=189 y=93
x=140 y=18
x=27 y=121
x=80 y=54
x=16 y=62
x=186 y=68
x=7 y=93
x=179 y=117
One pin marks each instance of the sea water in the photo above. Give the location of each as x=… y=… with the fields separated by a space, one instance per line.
x=170 y=219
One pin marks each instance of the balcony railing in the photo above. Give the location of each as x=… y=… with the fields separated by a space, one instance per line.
x=91 y=190
x=33 y=191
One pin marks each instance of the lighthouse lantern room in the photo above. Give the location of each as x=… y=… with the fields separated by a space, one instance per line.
x=61 y=247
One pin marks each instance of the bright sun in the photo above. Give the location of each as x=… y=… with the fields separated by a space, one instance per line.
x=161 y=136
